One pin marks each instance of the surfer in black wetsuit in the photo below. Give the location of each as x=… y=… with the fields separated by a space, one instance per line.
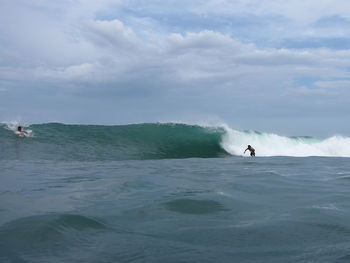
x=251 y=149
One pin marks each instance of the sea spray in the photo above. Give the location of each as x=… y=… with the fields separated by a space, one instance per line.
x=13 y=126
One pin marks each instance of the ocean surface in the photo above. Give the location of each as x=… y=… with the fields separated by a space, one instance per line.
x=171 y=193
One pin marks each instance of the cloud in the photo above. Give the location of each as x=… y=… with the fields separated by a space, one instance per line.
x=111 y=34
x=175 y=58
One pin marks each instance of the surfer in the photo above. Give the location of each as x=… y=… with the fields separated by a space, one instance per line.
x=20 y=131
x=251 y=149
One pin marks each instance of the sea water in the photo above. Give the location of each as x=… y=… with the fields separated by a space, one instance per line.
x=171 y=193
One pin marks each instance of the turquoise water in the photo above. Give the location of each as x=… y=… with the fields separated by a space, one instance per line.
x=221 y=208
x=57 y=141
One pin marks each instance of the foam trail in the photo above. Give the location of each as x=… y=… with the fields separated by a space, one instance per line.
x=269 y=144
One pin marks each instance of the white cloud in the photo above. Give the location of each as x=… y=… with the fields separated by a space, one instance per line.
x=206 y=39
x=112 y=34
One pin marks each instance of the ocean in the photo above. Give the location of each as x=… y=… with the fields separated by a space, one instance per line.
x=171 y=192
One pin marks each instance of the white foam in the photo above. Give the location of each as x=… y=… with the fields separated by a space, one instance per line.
x=13 y=125
x=269 y=144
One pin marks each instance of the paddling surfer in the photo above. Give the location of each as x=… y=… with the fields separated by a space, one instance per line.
x=20 y=131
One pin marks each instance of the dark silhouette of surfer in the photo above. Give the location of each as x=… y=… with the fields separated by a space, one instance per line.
x=251 y=149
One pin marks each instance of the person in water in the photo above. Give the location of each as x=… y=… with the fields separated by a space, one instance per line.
x=251 y=149
x=20 y=131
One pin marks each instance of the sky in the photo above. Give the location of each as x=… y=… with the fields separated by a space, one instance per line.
x=271 y=66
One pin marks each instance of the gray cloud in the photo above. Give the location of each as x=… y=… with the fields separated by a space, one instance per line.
x=78 y=62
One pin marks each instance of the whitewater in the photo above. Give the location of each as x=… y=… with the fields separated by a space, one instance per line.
x=171 y=192
x=269 y=144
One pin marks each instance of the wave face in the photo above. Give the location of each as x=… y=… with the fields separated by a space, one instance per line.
x=55 y=141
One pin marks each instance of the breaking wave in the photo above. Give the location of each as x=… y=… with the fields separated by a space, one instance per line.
x=57 y=141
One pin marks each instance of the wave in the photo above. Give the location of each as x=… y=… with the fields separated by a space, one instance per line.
x=121 y=142
x=269 y=144
x=57 y=141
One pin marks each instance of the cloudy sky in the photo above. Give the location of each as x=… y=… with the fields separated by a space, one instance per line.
x=266 y=65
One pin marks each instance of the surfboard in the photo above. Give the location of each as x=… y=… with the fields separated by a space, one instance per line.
x=22 y=133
